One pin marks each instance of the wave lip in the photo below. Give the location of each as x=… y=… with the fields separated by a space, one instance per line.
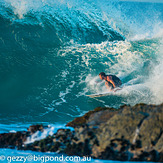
x=83 y=25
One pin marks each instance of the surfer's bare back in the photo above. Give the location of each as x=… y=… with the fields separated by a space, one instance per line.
x=112 y=81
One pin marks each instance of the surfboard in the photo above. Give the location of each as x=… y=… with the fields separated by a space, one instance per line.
x=98 y=95
x=103 y=94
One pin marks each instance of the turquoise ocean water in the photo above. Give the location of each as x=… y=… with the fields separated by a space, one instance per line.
x=51 y=52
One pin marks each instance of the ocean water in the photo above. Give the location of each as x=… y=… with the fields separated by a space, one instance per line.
x=51 y=52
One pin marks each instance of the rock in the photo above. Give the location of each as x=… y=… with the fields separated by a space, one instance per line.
x=80 y=149
x=160 y=157
x=151 y=130
x=159 y=144
x=121 y=124
x=125 y=134
x=32 y=129
x=129 y=133
x=81 y=121
x=11 y=140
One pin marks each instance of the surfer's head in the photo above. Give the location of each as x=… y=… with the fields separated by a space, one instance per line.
x=102 y=75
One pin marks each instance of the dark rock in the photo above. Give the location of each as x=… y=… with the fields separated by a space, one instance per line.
x=138 y=144
x=80 y=149
x=55 y=147
x=84 y=119
x=160 y=157
x=8 y=140
x=125 y=134
x=32 y=129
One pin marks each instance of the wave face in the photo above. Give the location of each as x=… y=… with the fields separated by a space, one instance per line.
x=52 y=52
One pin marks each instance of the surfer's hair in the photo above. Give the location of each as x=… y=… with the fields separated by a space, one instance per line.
x=102 y=74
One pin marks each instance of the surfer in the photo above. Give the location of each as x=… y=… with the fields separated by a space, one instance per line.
x=112 y=81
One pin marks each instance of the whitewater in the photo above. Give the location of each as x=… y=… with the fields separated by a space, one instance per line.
x=53 y=50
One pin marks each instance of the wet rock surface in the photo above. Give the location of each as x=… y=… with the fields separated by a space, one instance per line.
x=125 y=134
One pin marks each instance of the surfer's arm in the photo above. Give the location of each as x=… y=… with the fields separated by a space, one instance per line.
x=111 y=81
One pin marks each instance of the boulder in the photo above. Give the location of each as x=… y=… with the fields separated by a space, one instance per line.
x=130 y=133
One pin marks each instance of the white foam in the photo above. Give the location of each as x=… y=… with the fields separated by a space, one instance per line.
x=52 y=129
x=155 y=81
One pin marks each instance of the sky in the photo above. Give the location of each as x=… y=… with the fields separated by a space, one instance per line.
x=154 y=1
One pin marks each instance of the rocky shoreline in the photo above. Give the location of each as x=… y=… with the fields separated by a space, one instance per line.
x=126 y=134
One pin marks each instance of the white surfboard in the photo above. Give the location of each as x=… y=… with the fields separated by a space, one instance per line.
x=103 y=94
x=98 y=95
